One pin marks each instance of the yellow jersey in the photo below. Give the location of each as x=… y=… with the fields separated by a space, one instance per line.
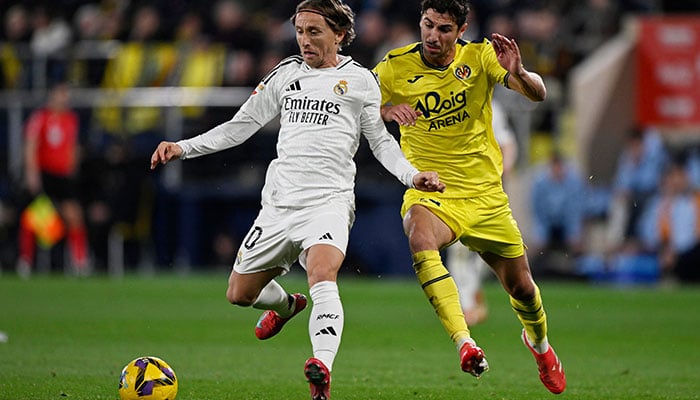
x=454 y=135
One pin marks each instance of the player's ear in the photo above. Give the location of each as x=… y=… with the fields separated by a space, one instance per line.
x=339 y=37
x=462 y=29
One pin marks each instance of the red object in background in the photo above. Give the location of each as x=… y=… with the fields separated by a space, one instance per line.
x=668 y=72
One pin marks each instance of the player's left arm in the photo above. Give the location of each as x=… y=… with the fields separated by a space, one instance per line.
x=529 y=84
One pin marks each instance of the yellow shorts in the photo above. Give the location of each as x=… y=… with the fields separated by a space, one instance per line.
x=484 y=223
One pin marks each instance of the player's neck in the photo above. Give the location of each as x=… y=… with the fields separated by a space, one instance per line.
x=333 y=62
x=439 y=62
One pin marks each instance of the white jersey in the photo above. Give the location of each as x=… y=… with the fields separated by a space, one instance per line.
x=322 y=112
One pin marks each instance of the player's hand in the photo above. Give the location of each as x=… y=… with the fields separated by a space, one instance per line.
x=507 y=52
x=402 y=114
x=165 y=152
x=428 y=182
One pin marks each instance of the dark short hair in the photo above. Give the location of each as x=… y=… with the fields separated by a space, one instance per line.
x=338 y=15
x=458 y=9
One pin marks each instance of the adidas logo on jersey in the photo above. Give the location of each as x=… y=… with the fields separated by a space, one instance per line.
x=293 y=87
x=326 y=236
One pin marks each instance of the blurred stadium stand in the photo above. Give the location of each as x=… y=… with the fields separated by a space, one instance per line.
x=191 y=215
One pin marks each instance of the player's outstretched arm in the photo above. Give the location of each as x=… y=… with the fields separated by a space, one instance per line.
x=428 y=182
x=529 y=84
x=165 y=152
x=402 y=114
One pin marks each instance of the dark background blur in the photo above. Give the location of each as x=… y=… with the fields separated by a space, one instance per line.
x=145 y=71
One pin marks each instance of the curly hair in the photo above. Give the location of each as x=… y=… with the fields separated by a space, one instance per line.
x=458 y=9
x=338 y=15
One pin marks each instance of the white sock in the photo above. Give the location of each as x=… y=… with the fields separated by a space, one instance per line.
x=540 y=348
x=326 y=321
x=274 y=297
x=462 y=341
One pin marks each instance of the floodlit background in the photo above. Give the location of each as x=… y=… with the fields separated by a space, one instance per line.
x=141 y=72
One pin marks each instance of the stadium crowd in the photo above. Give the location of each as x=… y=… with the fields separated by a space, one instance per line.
x=119 y=44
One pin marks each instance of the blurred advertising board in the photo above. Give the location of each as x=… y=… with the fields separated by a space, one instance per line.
x=668 y=74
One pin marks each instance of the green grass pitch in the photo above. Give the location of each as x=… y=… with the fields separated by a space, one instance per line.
x=69 y=339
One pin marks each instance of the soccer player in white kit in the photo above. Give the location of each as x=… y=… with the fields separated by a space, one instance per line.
x=325 y=101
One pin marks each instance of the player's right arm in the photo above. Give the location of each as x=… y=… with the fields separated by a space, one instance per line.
x=165 y=152
x=261 y=107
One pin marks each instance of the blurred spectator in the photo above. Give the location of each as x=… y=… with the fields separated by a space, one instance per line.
x=539 y=37
x=588 y=25
x=129 y=133
x=88 y=21
x=51 y=33
x=199 y=63
x=90 y=53
x=15 y=65
x=501 y=22
x=637 y=178
x=50 y=39
x=558 y=216
x=51 y=160
x=243 y=69
x=114 y=17
x=670 y=225
x=400 y=34
x=232 y=27
x=371 y=34
x=142 y=61
x=693 y=166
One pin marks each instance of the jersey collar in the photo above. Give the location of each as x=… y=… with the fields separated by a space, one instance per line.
x=344 y=60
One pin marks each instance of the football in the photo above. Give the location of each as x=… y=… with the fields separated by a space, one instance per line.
x=147 y=378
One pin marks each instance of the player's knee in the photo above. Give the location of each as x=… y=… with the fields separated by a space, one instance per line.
x=321 y=276
x=420 y=241
x=239 y=299
x=523 y=291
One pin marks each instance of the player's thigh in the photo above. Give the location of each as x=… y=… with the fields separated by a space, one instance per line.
x=327 y=224
x=491 y=227
x=268 y=245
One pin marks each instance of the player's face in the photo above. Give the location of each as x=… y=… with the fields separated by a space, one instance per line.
x=439 y=33
x=317 y=41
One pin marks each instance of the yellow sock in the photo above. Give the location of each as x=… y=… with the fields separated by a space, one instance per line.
x=531 y=314
x=441 y=290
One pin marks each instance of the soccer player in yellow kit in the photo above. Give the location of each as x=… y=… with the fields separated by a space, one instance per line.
x=439 y=91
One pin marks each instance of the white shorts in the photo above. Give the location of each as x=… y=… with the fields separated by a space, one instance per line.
x=281 y=236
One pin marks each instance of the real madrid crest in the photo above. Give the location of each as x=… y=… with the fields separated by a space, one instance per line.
x=463 y=71
x=341 y=87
